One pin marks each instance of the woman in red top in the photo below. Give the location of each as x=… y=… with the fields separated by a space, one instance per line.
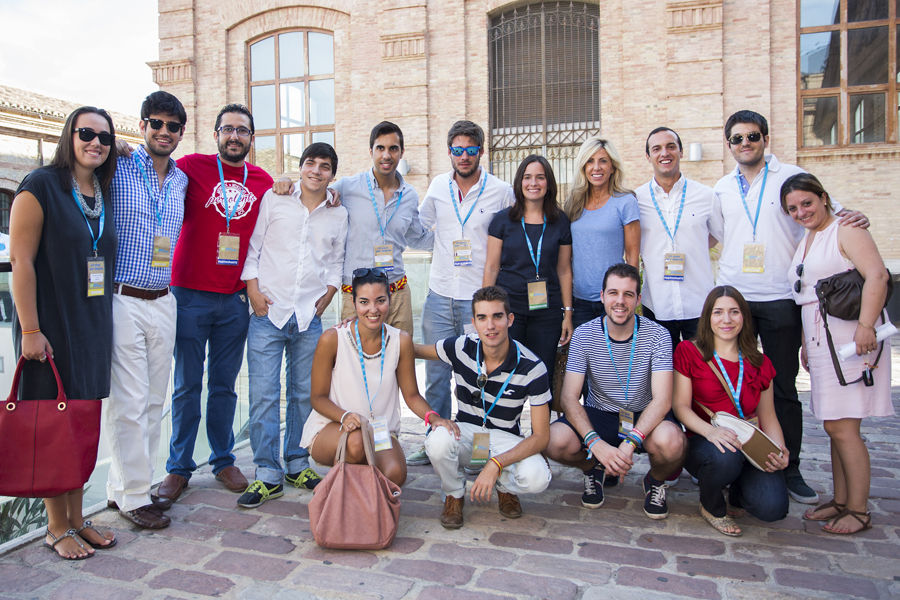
x=725 y=342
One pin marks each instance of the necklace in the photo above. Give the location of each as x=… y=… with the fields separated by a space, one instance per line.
x=90 y=213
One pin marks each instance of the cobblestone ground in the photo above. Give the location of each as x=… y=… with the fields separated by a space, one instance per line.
x=557 y=550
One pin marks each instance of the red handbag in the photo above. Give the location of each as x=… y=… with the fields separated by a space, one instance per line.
x=355 y=507
x=47 y=447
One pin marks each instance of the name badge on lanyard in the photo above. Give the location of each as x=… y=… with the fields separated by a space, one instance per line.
x=96 y=276
x=162 y=251
x=673 y=269
x=384 y=252
x=537 y=294
x=229 y=244
x=384 y=257
x=626 y=422
x=537 y=287
x=162 y=245
x=382 y=435
x=462 y=253
x=673 y=262
x=462 y=248
x=754 y=258
x=481 y=447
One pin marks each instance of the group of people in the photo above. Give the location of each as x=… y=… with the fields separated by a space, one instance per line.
x=200 y=256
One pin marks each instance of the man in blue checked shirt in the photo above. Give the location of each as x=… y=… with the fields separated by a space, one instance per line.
x=148 y=201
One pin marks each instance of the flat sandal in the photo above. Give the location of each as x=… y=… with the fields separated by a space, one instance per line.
x=830 y=504
x=69 y=533
x=721 y=524
x=89 y=525
x=864 y=518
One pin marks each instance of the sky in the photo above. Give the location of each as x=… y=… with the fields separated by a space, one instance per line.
x=86 y=51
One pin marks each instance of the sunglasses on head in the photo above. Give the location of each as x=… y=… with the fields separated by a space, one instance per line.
x=470 y=150
x=86 y=134
x=365 y=272
x=172 y=126
x=737 y=138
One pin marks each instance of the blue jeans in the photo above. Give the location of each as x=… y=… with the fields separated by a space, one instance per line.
x=219 y=320
x=763 y=495
x=266 y=344
x=442 y=317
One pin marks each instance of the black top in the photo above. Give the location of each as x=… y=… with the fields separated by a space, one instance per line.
x=78 y=328
x=516 y=266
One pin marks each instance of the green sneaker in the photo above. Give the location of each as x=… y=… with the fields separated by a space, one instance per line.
x=418 y=458
x=258 y=492
x=307 y=478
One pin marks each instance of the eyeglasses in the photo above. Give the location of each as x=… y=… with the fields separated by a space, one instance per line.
x=86 y=134
x=737 y=138
x=228 y=130
x=797 y=284
x=470 y=150
x=365 y=272
x=172 y=126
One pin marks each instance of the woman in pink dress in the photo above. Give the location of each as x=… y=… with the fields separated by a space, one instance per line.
x=829 y=248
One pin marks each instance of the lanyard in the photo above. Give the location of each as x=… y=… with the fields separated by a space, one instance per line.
x=485 y=410
x=735 y=393
x=613 y=361
x=673 y=232
x=758 y=204
x=536 y=259
x=94 y=240
x=159 y=209
x=362 y=365
x=229 y=212
x=375 y=206
x=462 y=223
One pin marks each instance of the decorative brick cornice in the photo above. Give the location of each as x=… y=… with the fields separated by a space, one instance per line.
x=167 y=72
x=403 y=46
x=694 y=15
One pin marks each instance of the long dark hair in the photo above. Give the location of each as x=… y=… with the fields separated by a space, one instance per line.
x=551 y=208
x=64 y=158
x=705 y=339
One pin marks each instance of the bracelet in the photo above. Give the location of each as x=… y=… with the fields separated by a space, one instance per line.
x=628 y=440
x=38 y=330
x=497 y=462
x=591 y=445
x=428 y=417
x=589 y=436
x=872 y=327
x=568 y=308
x=639 y=433
x=342 y=417
x=634 y=440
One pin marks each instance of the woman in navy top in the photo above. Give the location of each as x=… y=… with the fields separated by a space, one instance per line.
x=529 y=254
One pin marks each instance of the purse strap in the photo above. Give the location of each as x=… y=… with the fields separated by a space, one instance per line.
x=710 y=413
x=834 y=358
x=14 y=390
x=368 y=445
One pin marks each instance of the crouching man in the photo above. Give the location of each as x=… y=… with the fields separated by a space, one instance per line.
x=495 y=376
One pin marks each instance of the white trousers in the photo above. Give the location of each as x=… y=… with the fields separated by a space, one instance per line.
x=143 y=343
x=448 y=456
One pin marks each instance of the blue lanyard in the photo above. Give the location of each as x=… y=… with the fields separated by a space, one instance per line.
x=94 y=240
x=462 y=224
x=229 y=212
x=535 y=259
x=159 y=209
x=499 y=395
x=375 y=206
x=362 y=365
x=630 y=359
x=759 y=203
x=674 y=232
x=735 y=393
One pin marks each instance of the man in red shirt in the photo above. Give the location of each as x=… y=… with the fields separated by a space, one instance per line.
x=220 y=211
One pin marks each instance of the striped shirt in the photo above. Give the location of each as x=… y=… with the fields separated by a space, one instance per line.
x=528 y=382
x=135 y=213
x=588 y=355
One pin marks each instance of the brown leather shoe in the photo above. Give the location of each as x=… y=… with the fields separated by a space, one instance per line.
x=509 y=505
x=157 y=504
x=170 y=490
x=232 y=478
x=147 y=517
x=452 y=515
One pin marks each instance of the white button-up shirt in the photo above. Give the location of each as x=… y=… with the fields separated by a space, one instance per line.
x=295 y=254
x=677 y=300
x=437 y=211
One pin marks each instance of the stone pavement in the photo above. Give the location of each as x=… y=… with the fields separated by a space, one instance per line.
x=557 y=550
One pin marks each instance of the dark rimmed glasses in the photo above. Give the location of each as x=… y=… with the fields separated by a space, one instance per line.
x=241 y=131
x=86 y=134
x=737 y=138
x=470 y=150
x=157 y=124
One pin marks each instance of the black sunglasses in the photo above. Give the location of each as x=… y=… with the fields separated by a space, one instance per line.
x=365 y=271
x=797 y=284
x=172 y=126
x=86 y=134
x=737 y=138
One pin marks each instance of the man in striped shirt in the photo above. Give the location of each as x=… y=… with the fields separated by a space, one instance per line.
x=495 y=376
x=628 y=362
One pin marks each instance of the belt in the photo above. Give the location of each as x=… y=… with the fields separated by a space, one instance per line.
x=397 y=285
x=127 y=290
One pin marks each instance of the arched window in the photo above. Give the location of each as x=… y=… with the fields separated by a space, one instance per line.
x=291 y=81
x=544 y=62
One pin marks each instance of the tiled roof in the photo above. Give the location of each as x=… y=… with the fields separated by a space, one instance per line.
x=55 y=108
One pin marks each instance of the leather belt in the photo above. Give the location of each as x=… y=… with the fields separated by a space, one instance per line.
x=393 y=287
x=127 y=290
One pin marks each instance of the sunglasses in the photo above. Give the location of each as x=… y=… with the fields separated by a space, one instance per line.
x=228 y=130
x=365 y=272
x=86 y=134
x=797 y=284
x=172 y=126
x=737 y=138
x=470 y=150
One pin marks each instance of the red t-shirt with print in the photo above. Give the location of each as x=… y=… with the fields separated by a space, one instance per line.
x=194 y=263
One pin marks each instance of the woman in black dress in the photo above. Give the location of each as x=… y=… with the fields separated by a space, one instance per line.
x=60 y=221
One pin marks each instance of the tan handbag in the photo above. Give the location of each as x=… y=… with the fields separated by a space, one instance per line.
x=355 y=507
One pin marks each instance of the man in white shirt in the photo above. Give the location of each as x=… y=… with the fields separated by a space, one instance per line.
x=292 y=272
x=758 y=245
x=677 y=229
x=459 y=206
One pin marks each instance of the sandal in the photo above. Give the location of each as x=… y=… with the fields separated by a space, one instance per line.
x=71 y=533
x=864 y=518
x=721 y=524
x=88 y=525
x=830 y=504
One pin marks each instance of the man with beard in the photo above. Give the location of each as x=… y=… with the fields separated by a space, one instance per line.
x=148 y=206
x=459 y=206
x=220 y=212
